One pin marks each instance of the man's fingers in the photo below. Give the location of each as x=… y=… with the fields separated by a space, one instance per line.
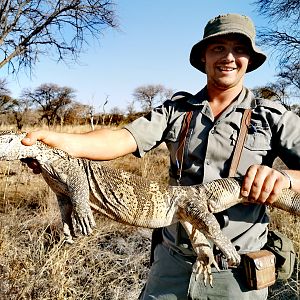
x=267 y=192
x=248 y=181
x=262 y=184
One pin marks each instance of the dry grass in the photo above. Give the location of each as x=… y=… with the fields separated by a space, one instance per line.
x=110 y=264
x=35 y=264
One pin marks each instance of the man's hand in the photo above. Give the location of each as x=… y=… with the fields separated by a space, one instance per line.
x=263 y=184
x=30 y=139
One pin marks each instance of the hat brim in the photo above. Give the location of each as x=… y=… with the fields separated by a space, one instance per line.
x=257 y=56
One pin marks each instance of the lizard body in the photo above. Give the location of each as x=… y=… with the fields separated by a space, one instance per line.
x=82 y=185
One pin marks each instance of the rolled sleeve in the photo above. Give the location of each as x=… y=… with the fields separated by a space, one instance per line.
x=148 y=131
x=288 y=141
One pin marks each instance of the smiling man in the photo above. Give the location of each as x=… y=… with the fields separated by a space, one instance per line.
x=225 y=54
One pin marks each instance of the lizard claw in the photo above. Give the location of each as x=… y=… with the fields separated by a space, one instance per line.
x=68 y=233
x=232 y=255
x=200 y=267
x=85 y=222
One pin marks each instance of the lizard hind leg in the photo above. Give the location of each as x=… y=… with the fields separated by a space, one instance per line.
x=196 y=213
x=203 y=249
x=66 y=209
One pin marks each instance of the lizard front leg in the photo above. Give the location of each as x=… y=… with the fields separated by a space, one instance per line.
x=197 y=214
x=79 y=194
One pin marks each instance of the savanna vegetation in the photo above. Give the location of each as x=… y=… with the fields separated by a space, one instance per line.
x=111 y=264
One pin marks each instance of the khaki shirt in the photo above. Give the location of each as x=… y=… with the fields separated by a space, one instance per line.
x=274 y=132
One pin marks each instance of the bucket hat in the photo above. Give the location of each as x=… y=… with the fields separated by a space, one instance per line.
x=228 y=24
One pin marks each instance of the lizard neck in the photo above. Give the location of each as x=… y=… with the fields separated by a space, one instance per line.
x=38 y=151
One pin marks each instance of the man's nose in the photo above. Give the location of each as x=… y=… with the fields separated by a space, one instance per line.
x=228 y=56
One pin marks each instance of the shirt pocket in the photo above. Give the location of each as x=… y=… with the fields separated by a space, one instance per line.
x=258 y=137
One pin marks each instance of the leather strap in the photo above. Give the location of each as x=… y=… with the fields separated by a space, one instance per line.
x=237 y=150
x=240 y=142
x=182 y=142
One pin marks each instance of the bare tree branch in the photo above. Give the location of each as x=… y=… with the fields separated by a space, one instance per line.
x=291 y=74
x=30 y=28
x=283 y=34
x=6 y=101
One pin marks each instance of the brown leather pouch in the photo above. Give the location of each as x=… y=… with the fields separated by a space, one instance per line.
x=260 y=269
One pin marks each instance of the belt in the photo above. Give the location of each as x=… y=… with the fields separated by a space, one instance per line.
x=223 y=263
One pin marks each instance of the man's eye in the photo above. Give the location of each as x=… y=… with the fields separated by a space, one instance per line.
x=241 y=50
x=218 y=48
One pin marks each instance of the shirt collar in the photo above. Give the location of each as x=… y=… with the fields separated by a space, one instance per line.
x=244 y=100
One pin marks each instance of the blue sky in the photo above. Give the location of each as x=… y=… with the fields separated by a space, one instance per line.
x=152 y=46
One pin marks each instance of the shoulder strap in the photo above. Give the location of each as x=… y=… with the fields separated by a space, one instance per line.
x=238 y=147
x=182 y=142
x=240 y=142
x=181 y=95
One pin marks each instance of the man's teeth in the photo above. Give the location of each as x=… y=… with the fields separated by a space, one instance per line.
x=226 y=69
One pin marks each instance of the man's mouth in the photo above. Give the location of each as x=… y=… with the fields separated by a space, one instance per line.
x=226 y=69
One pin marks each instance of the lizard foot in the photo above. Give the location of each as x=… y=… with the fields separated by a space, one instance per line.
x=68 y=234
x=85 y=222
x=230 y=253
x=205 y=256
x=205 y=259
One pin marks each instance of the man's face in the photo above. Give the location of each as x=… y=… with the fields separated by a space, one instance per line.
x=226 y=60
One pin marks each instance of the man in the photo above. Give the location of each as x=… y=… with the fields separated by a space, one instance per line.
x=225 y=54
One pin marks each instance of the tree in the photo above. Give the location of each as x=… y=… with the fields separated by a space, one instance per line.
x=150 y=95
x=29 y=28
x=49 y=98
x=291 y=75
x=76 y=113
x=283 y=37
x=277 y=91
x=6 y=101
x=283 y=34
x=296 y=109
x=20 y=112
x=130 y=107
x=265 y=92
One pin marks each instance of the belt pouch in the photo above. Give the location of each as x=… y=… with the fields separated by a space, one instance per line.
x=260 y=269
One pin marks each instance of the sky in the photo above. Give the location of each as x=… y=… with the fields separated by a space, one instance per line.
x=151 y=46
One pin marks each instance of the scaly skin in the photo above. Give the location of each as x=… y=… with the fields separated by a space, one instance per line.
x=224 y=193
x=82 y=184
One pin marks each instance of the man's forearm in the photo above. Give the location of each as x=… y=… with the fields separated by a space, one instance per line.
x=294 y=176
x=102 y=144
x=106 y=144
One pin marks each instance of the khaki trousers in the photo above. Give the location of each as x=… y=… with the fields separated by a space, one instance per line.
x=170 y=277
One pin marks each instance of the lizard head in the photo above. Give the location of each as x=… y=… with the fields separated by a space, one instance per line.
x=10 y=145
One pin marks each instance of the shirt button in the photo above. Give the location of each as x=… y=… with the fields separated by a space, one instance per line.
x=207 y=161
